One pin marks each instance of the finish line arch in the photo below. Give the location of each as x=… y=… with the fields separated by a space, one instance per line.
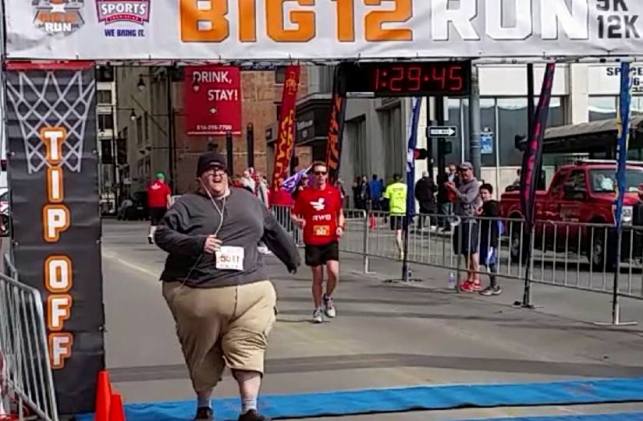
x=50 y=49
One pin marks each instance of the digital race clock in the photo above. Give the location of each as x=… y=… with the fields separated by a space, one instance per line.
x=448 y=78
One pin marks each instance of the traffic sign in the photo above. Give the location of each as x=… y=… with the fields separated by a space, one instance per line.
x=442 y=131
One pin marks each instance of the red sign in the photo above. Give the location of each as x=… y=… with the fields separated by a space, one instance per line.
x=212 y=100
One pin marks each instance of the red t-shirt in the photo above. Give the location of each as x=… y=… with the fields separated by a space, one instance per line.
x=157 y=194
x=320 y=209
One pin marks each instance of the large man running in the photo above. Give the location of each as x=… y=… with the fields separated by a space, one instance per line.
x=318 y=210
x=216 y=284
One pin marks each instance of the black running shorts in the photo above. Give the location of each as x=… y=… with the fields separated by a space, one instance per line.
x=320 y=255
x=156 y=215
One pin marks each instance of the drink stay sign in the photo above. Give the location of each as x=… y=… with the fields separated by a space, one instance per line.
x=212 y=100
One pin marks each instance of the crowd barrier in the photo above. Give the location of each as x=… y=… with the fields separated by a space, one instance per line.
x=573 y=255
x=26 y=380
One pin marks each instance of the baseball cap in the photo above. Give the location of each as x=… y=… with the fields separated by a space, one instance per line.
x=208 y=160
x=465 y=166
x=160 y=175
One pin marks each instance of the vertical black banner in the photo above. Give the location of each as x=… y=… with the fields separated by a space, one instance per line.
x=51 y=132
x=336 y=124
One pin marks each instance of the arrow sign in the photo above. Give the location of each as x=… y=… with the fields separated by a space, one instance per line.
x=442 y=131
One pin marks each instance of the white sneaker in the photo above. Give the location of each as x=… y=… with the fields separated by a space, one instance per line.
x=317 y=316
x=329 y=307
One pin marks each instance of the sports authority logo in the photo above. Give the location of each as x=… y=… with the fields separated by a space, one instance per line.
x=123 y=11
x=319 y=205
x=58 y=16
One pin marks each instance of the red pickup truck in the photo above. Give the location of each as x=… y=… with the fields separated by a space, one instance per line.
x=583 y=192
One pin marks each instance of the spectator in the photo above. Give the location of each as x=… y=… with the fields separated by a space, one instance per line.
x=490 y=231
x=247 y=182
x=445 y=205
x=465 y=239
x=376 y=188
x=425 y=195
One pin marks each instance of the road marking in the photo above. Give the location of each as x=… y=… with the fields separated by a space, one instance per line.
x=113 y=256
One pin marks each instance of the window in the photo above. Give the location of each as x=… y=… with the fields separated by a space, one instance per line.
x=146 y=126
x=105 y=122
x=604 y=181
x=278 y=110
x=512 y=121
x=577 y=183
x=356 y=131
x=602 y=107
x=488 y=121
x=104 y=97
x=139 y=131
x=280 y=75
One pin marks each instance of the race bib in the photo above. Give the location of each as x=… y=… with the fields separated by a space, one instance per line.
x=321 y=230
x=230 y=258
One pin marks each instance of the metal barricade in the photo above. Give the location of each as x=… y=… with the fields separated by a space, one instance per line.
x=27 y=381
x=564 y=254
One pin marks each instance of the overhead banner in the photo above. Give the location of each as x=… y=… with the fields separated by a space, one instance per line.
x=212 y=100
x=286 y=136
x=298 y=29
x=51 y=130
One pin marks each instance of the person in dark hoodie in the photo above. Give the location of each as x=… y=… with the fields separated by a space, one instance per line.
x=490 y=231
x=216 y=284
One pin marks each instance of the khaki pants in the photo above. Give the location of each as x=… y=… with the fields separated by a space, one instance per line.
x=222 y=326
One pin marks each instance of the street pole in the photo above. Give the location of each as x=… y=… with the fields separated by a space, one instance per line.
x=429 y=141
x=170 y=128
x=530 y=100
x=114 y=149
x=439 y=113
x=474 y=122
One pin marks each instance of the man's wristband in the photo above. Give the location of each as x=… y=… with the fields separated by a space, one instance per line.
x=340 y=226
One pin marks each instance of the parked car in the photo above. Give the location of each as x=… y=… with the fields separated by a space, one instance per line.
x=134 y=208
x=580 y=193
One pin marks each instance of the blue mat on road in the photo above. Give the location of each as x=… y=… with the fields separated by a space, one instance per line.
x=624 y=416
x=372 y=401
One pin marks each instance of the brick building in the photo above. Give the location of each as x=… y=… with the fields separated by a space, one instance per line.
x=155 y=132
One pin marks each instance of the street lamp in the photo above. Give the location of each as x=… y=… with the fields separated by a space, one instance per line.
x=141 y=84
x=132 y=115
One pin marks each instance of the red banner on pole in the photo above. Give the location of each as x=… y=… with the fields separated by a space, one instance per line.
x=336 y=125
x=286 y=138
x=212 y=100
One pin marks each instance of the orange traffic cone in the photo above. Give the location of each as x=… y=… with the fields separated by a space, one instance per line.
x=116 y=410
x=103 y=396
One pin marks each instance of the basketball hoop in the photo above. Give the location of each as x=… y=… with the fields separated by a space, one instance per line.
x=46 y=98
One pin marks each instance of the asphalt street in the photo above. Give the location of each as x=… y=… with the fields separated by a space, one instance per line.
x=386 y=334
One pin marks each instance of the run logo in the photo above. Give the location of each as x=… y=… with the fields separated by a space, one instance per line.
x=58 y=16
x=58 y=268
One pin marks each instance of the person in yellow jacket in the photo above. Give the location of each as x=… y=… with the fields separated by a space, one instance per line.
x=395 y=193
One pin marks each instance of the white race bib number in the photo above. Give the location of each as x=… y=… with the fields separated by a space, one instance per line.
x=230 y=258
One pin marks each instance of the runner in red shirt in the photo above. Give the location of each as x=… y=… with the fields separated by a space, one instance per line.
x=318 y=210
x=158 y=201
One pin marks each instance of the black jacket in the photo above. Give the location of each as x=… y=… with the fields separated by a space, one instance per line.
x=246 y=223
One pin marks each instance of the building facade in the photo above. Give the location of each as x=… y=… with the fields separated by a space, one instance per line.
x=152 y=113
x=107 y=129
x=376 y=129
